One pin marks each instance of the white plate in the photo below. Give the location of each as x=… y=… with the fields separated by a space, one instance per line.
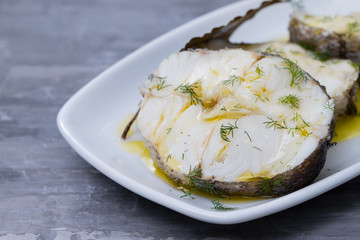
x=89 y=121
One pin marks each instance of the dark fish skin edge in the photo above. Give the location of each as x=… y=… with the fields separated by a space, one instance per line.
x=337 y=45
x=287 y=182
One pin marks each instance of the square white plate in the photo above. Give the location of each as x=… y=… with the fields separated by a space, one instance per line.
x=89 y=121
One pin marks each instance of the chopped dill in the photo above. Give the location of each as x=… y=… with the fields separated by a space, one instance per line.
x=268 y=185
x=300 y=127
x=298 y=118
x=329 y=105
x=161 y=81
x=232 y=79
x=187 y=194
x=297 y=75
x=257 y=148
x=168 y=130
x=153 y=76
x=236 y=108
x=273 y=50
x=160 y=85
x=245 y=132
x=195 y=183
x=237 y=105
x=259 y=71
x=291 y=100
x=261 y=98
x=223 y=108
x=220 y=206
x=226 y=130
x=190 y=89
x=275 y=124
x=167 y=157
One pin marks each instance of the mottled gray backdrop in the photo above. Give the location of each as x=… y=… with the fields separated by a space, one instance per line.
x=51 y=48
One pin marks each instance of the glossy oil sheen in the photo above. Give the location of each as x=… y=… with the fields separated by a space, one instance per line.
x=139 y=148
x=348 y=127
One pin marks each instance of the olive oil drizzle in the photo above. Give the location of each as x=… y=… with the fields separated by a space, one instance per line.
x=346 y=128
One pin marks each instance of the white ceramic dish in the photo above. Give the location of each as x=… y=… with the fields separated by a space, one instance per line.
x=89 y=121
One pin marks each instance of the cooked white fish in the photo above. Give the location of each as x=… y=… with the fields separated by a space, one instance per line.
x=337 y=35
x=338 y=76
x=238 y=116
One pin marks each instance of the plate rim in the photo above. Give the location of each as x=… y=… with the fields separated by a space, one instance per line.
x=210 y=216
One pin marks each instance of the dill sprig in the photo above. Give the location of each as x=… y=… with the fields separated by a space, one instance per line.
x=273 y=50
x=291 y=100
x=268 y=185
x=220 y=206
x=275 y=124
x=257 y=148
x=153 y=76
x=223 y=108
x=160 y=85
x=236 y=108
x=167 y=157
x=232 y=79
x=187 y=194
x=329 y=105
x=301 y=122
x=197 y=184
x=259 y=71
x=190 y=89
x=297 y=75
x=226 y=130
x=300 y=127
x=161 y=81
x=353 y=27
x=247 y=134
x=261 y=98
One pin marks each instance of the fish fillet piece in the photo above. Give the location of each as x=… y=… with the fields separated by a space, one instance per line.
x=338 y=76
x=239 y=117
x=337 y=35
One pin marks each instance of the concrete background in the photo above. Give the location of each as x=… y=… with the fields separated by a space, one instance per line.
x=49 y=50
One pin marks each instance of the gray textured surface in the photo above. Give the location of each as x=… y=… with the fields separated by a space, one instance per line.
x=48 y=50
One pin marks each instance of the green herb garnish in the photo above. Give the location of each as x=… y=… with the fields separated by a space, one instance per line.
x=291 y=100
x=220 y=206
x=259 y=71
x=232 y=79
x=195 y=183
x=297 y=75
x=268 y=185
x=167 y=157
x=226 y=130
x=160 y=85
x=273 y=50
x=329 y=105
x=247 y=134
x=275 y=124
x=261 y=98
x=190 y=89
